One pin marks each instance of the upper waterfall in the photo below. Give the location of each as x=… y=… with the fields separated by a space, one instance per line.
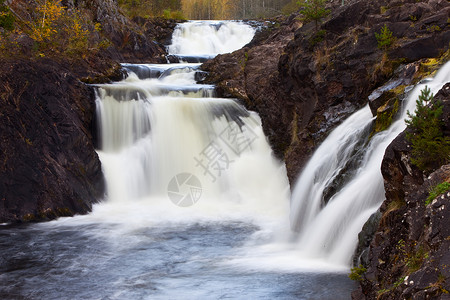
x=209 y=38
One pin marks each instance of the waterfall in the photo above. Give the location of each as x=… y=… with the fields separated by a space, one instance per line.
x=210 y=38
x=199 y=40
x=342 y=185
x=167 y=143
x=172 y=152
x=196 y=206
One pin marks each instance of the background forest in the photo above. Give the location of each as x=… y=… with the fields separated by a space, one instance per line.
x=208 y=9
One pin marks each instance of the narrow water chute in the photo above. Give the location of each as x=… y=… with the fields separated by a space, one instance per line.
x=328 y=225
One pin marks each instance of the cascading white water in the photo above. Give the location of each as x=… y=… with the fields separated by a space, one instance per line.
x=158 y=129
x=330 y=231
x=209 y=38
x=159 y=123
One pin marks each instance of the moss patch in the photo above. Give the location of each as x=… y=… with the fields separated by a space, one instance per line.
x=385 y=115
x=428 y=67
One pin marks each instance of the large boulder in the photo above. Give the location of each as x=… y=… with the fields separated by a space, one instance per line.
x=49 y=166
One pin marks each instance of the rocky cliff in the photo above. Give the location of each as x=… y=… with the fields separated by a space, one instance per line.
x=139 y=40
x=304 y=82
x=49 y=167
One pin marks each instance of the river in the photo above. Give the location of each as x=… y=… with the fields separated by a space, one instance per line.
x=197 y=207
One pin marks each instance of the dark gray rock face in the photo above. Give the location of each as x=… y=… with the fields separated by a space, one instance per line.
x=48 y=167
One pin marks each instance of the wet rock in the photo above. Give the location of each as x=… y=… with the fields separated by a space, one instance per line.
x=158 y=29
x=408 y=257
x=403 y=76
x=361 y=256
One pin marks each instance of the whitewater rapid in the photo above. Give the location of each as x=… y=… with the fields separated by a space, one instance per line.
x=349 y=162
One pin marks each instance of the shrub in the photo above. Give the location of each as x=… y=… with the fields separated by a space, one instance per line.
x=437 y=190
x=6 y=17
x=415 y=259
x=56 y=29
x=46 y=26
x=384 y=38
x=169 y=9
x=166 y=13
x=79 y=37
x=399 y=281
x=317 y=37
x=178 y=15
x=430 y=148
x=289 y=8
x=314 y=10
x=434 y=28
x=357 y=272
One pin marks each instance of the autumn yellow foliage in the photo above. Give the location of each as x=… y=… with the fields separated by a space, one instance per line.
x=170 y=9
x=232 y=9
x=46 y=27
x=209 y=9
x=206 y=9
x=57 y=29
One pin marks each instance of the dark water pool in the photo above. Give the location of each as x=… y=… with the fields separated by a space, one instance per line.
x=102 y=261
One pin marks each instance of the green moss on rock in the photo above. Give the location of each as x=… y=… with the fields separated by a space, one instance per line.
x=385 y=114
x=428 y=67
